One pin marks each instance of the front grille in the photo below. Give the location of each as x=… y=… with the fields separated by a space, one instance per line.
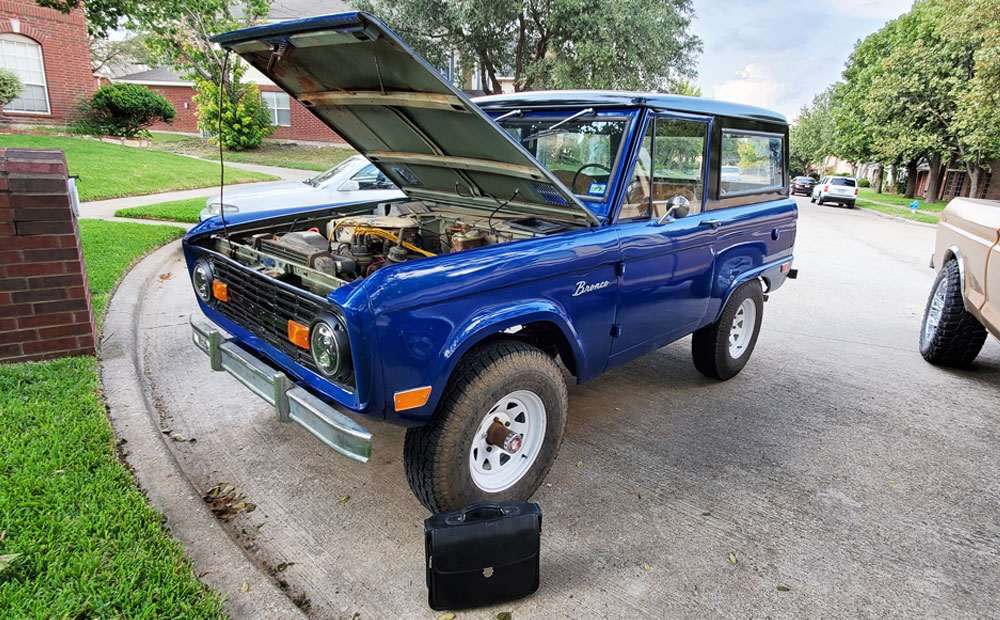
x=263 y=308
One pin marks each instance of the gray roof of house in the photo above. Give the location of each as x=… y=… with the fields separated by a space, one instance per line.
x=294 y=9
x=157 y=74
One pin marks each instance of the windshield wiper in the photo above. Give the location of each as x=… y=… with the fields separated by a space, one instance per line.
x=551 y=130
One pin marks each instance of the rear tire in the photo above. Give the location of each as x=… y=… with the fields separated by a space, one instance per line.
x=445 y=460
x=722 y=349
x=850 y=205
x=949 y=334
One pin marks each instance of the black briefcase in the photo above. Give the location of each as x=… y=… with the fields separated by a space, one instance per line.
x=484 y=554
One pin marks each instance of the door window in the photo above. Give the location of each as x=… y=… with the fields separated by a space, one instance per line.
x=371 y=177
x=671 y=163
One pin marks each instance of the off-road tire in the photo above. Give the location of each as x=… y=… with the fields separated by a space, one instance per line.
x=436 y=455
x=959 y=336
x=710 y=344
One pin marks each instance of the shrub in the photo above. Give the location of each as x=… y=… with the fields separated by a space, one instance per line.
x=10 y=86
x=814 y=175
x=246 y=120
x=126 y=110
x=863 y=182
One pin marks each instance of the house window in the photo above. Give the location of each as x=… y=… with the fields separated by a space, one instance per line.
x=959 y=180
x=24 y=57
x=278 y=104
x=986 y=185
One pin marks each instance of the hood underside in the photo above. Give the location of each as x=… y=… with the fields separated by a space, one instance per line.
x=359 y=78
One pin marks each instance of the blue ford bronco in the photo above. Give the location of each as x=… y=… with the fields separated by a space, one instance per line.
x=581 y=227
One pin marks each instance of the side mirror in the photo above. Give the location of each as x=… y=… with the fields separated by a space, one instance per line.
x=350 y=186
x=678 y=206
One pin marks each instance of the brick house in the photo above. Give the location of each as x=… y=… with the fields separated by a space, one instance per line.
x=293 y=120
x=50 y=53
x=955 y=181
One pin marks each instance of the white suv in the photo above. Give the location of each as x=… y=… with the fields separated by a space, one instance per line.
x=836 y=189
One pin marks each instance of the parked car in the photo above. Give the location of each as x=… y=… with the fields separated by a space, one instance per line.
x=964 y=304
x=352 y=180
x=835 y=189
x=802 y=185
x=730 y=173
x=536 y=228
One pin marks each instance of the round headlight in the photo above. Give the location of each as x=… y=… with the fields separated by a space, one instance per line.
x=329 y=346
x=201 y=278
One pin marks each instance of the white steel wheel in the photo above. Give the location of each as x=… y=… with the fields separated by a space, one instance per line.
x=493 y=469
x=742 y=330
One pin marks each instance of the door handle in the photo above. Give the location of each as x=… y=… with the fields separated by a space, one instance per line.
x=712 y=223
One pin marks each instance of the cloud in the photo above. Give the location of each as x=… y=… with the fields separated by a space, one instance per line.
x=871 y=9
x=754 y=85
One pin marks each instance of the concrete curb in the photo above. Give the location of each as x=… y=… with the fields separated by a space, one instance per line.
x=217 y=558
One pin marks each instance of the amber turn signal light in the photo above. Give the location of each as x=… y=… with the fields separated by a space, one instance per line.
x=298 y=334
x=220 y=290
x=411 y=399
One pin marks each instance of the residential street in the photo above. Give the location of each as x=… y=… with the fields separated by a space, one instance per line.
x=838 y=475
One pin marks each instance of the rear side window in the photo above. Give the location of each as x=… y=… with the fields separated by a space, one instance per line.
x=842 y=181
x=751 y=162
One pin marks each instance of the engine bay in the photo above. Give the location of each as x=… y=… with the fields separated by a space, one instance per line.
x=321 y=254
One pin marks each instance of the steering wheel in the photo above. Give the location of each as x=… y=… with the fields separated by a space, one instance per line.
x=576 y=174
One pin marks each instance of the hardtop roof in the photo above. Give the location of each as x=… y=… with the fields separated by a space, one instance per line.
x=614 y=98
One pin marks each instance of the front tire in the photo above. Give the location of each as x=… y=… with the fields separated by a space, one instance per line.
x=448 y=462
x=722 y=349
x=819 y=201
x=949 y=334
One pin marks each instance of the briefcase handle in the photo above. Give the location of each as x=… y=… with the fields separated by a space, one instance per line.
x=480 y=507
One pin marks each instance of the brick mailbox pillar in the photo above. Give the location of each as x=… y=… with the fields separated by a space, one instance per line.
x=45 y=309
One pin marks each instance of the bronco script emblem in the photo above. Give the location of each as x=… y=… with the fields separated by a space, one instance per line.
x=583 y=287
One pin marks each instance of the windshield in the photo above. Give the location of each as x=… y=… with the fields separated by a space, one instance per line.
x=581 y=153
x=323 y=177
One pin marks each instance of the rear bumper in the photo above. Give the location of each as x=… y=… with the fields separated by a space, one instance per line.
x=836 y=198
x=291 y=402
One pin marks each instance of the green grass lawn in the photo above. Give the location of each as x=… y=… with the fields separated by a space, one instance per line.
x=869 y=194
x=904 y=213
x=110 y=248
x=78 y=539
x=269 y=153
x=114 y=171
x=173 y=211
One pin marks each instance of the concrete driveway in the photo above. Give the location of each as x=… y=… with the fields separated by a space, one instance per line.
x=837 y=475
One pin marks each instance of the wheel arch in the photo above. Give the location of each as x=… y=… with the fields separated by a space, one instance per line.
x=953 y=252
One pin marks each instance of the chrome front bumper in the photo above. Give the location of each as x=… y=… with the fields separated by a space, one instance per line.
x=291 y=402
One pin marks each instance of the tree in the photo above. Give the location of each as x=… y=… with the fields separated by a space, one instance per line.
x=684 y=86
x=245 y=118
x=552 y=43
x=812 y=137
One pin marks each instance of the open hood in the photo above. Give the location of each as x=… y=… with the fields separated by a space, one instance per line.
x=387 y=102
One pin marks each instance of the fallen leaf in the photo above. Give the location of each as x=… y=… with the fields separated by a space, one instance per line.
x=165 y=276
x=284 y=565
x=504 y=615
x=446 y=616
x=579 y=463
x=245 y=587
x=178 y=437
x=344 y=499
x=5 y=560
x=59 y=471
x=250 y=506
x=706 y=514
x=732 y=558
x=645 y=566
x=356 y=616
x=783 y=589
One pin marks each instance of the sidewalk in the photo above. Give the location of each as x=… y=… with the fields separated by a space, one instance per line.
x=105 y=209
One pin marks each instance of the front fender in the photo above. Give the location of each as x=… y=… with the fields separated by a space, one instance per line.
x=474 y=329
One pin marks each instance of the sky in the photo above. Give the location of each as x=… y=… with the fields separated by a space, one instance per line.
x=779 y=54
